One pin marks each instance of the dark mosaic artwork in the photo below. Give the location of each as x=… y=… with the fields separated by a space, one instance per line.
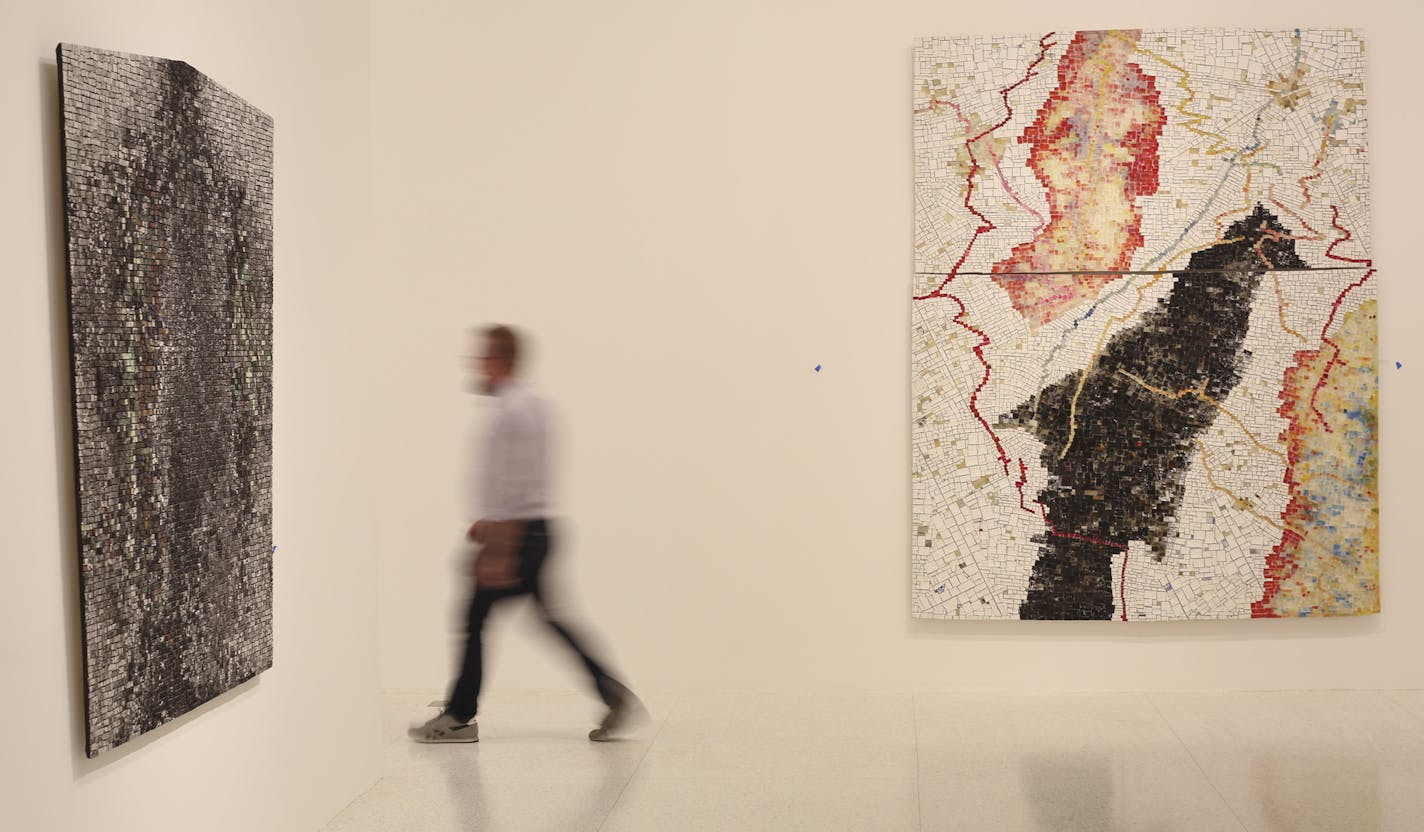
x=168 y=209
x=1122 y=474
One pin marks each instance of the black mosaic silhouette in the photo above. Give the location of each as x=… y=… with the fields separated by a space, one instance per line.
x=1135 y=425
x=168 y=220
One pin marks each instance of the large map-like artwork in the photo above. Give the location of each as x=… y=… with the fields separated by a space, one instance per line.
x=168 y=215
x=1145 y=378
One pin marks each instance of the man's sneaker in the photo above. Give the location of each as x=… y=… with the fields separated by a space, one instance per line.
x=445 y=728
x=621 y=715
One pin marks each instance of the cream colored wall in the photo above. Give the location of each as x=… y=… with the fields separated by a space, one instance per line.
x=694 y=204
x=287 y=751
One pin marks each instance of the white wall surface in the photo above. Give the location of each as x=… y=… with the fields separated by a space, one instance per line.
x=692 y=205
x=290 y=749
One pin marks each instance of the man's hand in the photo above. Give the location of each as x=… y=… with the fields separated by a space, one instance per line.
x=479 y=531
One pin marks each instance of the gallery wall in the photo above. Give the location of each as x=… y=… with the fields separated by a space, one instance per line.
x=289 y=749
x=692 y=206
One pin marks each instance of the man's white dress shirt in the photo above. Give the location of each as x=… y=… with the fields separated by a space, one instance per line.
x=514 y=481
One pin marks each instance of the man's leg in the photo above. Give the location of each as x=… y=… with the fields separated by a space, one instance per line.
x=536 y=548
x=610 y=690
x=465 y=693
x=623 y=706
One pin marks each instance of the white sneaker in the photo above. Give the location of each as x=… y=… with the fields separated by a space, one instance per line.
x=445 y=728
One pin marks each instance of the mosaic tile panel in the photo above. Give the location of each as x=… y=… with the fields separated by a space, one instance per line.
x=1145 y=375
x=168 y=222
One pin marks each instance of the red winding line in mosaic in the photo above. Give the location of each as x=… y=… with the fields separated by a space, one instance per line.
x=1053 y=530
x=986 y=225
x=974 y=397
x=1319 y=157
x=1023 y=478
x=1305 y=191
x=1334 y=309
x=1330 y=252
x=998 y=168
x=1300 y=219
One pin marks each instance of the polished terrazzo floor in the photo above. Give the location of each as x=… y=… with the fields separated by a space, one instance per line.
x=1327 y=760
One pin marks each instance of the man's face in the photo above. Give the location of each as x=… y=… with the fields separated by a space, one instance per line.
x=491 y=368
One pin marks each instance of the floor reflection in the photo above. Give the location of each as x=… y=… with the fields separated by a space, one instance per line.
x=483 y=798
x=1197 y=762
x=1298 y=790
x=1072 y=792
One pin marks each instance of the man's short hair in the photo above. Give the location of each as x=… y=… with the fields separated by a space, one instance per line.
x=503 y=344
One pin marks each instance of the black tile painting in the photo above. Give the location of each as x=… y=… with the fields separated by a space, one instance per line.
x=168 y=210
x=1122 y=475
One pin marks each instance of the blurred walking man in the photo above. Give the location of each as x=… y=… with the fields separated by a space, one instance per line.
x=516 y=540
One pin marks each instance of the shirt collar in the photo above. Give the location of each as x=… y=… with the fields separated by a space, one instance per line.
x=506 y=387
